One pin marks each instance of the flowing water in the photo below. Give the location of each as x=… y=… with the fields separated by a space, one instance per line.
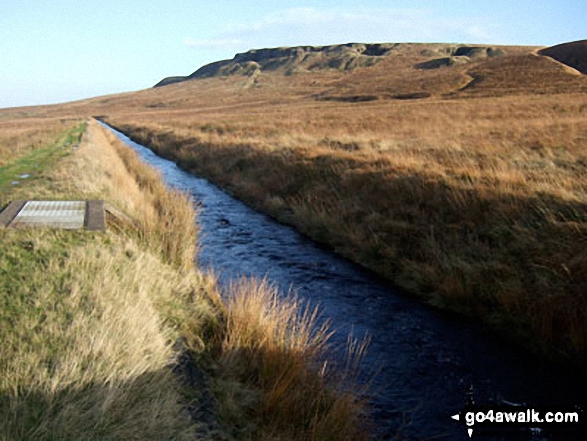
x=427 y=360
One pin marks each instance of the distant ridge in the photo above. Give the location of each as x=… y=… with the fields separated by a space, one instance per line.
x=170 y=80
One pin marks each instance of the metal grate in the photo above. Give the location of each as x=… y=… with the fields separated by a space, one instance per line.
x=55 y=214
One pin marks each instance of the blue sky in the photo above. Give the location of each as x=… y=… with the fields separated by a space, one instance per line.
x=61 y=50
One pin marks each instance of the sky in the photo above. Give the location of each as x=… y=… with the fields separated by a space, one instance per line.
x=62 y=50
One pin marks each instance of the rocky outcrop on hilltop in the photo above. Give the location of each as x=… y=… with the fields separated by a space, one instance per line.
x=460 y=55
x=290 y=60
x=342 y=57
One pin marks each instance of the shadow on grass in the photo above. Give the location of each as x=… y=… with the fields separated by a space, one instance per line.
x=135 y=408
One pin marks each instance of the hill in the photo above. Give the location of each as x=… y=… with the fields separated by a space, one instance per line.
x=362 y=72
x=572 y=54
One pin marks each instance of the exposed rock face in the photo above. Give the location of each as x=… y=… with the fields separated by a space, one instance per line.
x=572 y=54
x=296 y=59
x=478 y=52
x=459 y=55
x=442 y=62
x=342 y=57
x=291 y=60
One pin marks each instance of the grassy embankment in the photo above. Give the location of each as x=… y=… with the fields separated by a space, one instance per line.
x=92 y=324
x=478 y=204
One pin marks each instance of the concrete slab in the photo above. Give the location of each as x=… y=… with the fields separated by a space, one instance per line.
x=55 y=214
x=69 y=215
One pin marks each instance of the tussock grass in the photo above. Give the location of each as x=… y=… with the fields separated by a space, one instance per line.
x=275 y=347
x=168 y=225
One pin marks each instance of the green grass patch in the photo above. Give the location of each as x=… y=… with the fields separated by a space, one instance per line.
x=25 y=259
x=29 y=167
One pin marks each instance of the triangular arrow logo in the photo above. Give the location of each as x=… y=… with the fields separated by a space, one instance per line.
x=456 y=417
x=470 y=432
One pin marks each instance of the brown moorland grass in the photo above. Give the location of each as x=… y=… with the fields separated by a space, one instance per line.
x=89 y=351
x=474 y=197
x=268 y=345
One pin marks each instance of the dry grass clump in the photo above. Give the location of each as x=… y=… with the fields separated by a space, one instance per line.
x=168 y=224
x=275 y=348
